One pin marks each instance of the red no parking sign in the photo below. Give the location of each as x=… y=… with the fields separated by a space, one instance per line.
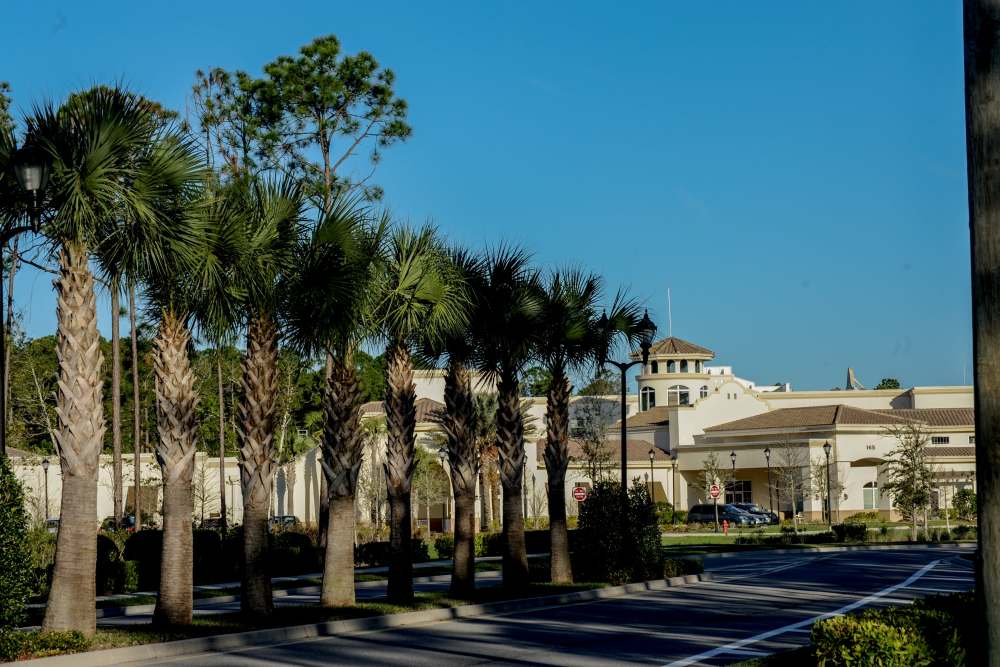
x=579 y=493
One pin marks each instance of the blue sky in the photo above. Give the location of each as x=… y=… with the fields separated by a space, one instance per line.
x=793 y=171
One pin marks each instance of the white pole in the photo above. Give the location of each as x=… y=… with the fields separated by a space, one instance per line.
x=670 y=316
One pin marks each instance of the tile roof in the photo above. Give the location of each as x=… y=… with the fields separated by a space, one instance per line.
x=937 y=416
x=637 y=450
x=934 y=451
x=426 y=408
x=653 y=417
x=674 y=345
x=821 y=415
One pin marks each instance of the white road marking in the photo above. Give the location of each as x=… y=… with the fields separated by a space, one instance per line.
x=728 y=648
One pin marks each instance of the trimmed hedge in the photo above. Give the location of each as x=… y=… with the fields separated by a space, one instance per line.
x=18 y=644
x=851 y=532
x=16 y=572
x=935 y=631
x=678 y=567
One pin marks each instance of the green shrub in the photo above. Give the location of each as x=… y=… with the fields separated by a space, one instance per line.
x=616 y=548
x=16 y=573
x=294 y=553
x=851 y=532
x=208 y=560
x=681 y=516
x=849 y=640
x=964 y=532
x=19 y=644
x=445 y=545
x=678 y=567
x=965 y=504
x=110 y=567
x=41 y=545
x=864 y=517
x=933 y=631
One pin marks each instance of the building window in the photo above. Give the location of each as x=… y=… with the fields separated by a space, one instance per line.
x=654 y=367
x=739 y=492
x=678 y=395
x=684 y=366
x=871 y=496
x=972 y=439
x=704 y=391
x=699 y=367
x=671 y=366
x=648 y=398
x=940 y=440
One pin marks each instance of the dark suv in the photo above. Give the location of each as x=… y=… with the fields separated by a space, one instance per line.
x=755 y=509
x=731 y=513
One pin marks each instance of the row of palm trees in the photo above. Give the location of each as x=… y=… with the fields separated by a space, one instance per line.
x=131 y=195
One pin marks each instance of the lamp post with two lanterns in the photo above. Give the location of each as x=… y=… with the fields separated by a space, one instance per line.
x=646 y=331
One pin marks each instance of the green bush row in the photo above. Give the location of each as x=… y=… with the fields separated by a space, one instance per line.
x=933 y=631
x=23 y=644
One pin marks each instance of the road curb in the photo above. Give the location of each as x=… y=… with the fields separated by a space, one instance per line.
x=236 y=641
x=828 y=549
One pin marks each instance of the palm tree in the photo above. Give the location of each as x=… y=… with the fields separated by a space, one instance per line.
x=134 y=240
x=570 y=337
x=506 y=330
x=458 y=421
x=484 y=418
x=327 y=312
x=89 y=140
x=420 y=296
x=269 y=217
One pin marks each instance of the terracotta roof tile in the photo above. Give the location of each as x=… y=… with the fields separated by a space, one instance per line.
x=638 y=450
x=937 y=416
x=674 y=345
x=820 y=415
x=653 y=417
x=426 y=408
x=934 y=451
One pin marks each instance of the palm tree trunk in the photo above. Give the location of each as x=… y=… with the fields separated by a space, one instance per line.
x=463 y=457
x=222 y=441
x=495 y=496
x=324 y=491
x=510 y=442
x=136 y=426
x=80 y=435
x=485 y=498
x=982 y=89
x=556 y=461
x=400 y=411
x=256 y=434
x=116 y=404
x=177 y=425
x=343 y=445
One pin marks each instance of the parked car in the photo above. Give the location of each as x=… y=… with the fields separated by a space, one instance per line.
x=727 y=512
x=128 y=523
x=285 y=521
x=770 y=518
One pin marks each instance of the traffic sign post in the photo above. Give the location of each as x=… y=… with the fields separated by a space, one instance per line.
x=579 y=493
x=714 y=491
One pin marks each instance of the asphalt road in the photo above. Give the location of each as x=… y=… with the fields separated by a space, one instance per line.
x=758 y=604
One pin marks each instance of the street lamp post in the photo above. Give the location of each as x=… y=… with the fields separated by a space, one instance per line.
x=732 y=482
x=646 y=332
x=652 y=453
x=45 y=470
x=829 y=504
x=767 y=455
x=31 y=168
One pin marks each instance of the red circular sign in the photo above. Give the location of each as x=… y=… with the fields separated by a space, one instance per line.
x=714 y=491
x=579 y=493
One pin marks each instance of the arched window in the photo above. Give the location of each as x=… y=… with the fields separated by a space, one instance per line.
x=671 y=366
x=678 y=395
x=871 y=496
x=654 y=367
x=684 y=366
x=704 y=391
x=648 y=398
